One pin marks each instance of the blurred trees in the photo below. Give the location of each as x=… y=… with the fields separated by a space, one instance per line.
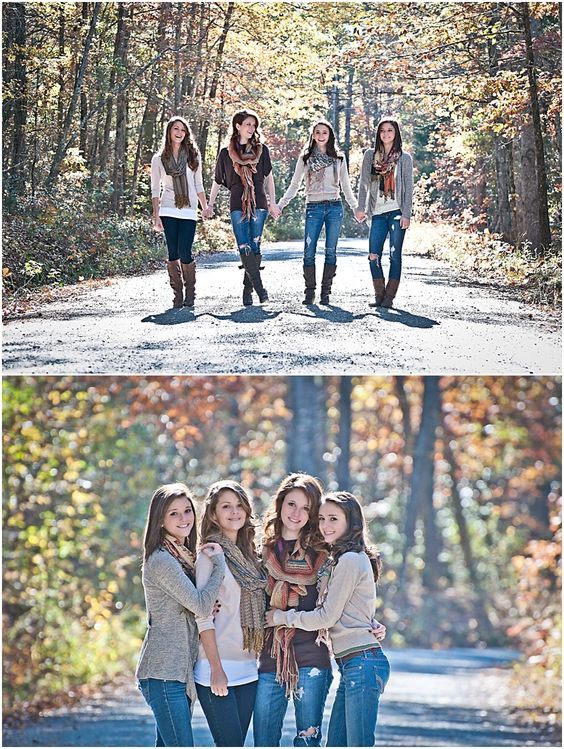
x=459 y=478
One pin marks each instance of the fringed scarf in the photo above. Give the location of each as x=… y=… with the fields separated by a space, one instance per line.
x=323 y=577
x=183 y=555
x=177 y=170
x=252 y=582
x=383 y=170
x=245 y=165
x=286 y=583
x=315 y=174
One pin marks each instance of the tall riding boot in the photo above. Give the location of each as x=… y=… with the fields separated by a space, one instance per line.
x=175 y=278
x=251 y=264
x=379 y=292
x=309 y=276
x=247 y=290
x=391 y=291
x=189 y=276
x=326 y=282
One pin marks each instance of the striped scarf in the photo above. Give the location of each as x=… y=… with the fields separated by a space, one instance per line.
x=286 y=583
x=177 y=170
x=245 y=165
x=383 y=170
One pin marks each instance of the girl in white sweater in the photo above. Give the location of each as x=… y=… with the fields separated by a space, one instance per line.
x=346 y=606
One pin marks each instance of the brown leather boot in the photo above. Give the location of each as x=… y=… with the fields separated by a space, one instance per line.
x=189 y=276
x=251 y=264
x=309 y=276
x=175 y=278
x=379 y=292
x=326 y=282
x=391 y=291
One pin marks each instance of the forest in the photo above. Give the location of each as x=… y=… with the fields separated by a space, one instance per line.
x=459 y=477
x=88 y=87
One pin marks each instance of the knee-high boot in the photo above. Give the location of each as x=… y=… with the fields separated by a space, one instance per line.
x=251 y=264
x=175 y=279
x=309 y=277
x=379 y=292
x=391 y=291
x=326 y=282
x=189 y=276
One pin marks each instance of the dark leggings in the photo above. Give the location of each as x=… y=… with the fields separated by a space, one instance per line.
x=179 y=233
x=228 y=717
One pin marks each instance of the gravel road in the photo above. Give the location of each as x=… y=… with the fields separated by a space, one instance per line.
x=441 y=324
x=434 y=698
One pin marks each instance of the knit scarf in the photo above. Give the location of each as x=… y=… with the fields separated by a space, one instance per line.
x=323 y=577
x=177 y=170
x=181 y=554
x=315 y=175
x=252 y=582
x=383 y=169
x=245 y=165
x=286 y=583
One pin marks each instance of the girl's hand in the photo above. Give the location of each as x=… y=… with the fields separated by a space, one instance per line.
x=359 y=215
x=207 y=212
x=274 y=210
x=404 y=223
x=211 y=549
x=157 y=224
x=218 y=682
x=378 y=630
x=269 y=618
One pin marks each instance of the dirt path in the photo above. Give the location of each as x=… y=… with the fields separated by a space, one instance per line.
x=448 y=698
x=440 y=325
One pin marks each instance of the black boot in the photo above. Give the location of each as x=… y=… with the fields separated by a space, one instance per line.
x=309 y=276
x=251 y=264
x=247 y=290
x=326 y=282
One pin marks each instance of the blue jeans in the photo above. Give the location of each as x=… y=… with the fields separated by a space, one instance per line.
x=171 y=707
x=179 y=234
x=228 y=717
x=355 y=710
x=248 y=232
x=328 y=213
x=382 y=225
x=271 y=704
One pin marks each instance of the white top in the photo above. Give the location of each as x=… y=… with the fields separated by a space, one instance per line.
x=161 y=187
x=383 y=204
x=331 y=188
x=239 y=665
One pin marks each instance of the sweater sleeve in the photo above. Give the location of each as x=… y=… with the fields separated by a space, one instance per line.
x=156 y=176
x=169 y=576
x=364 y=179
x=204 y=569
x=340 y=588
x=198 y=181
x=346 y=186
x=408 y=179
x=294 y=185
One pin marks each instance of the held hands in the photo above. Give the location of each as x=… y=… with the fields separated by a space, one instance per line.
x=157 y=223
x=404 y=223
x=218 y=682
x=378 y=630
x=274 y=210
x=269 y=618
x=360 y=215
x=211 y=549
x=207 y=212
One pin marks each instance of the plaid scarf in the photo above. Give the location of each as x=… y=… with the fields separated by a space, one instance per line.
x=252 y=582
x=177 y=170
x=315 y=173
x=383 y=169
x=245 y=162
x=183 y=555
x=286 y=583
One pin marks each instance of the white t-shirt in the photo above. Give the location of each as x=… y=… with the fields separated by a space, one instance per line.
x=239 y=665
x=161 y=187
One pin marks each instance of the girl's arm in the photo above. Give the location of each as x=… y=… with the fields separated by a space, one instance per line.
x=294 y=185
x=364 y=179
x=359 y=214
x=218 y=679
x=199 y=185
x=340 y=588
x=168 y=575
x=156 y=191
x=208 y=210
x=406 y=213
x=273 y=208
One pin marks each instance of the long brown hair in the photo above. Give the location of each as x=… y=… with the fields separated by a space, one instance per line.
x=331 y=145
x=238 y=119
x=209 y=525
x=354 y=538
x=397 y=144
x=188 y=145
x=160 y=502
x=310 y=536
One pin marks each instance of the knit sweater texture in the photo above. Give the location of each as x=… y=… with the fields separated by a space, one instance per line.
x=404 y=185
x=331 y=188
x=161 y=187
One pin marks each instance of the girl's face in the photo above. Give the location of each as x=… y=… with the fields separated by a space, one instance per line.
x=321 y=135
x=332 y=522
x=177 y=133
x=246 y=129
x=230 y=513
x=294 y=513
x=179 y=519
x=387 y=133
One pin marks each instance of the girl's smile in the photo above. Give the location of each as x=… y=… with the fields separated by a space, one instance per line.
x=179 y=519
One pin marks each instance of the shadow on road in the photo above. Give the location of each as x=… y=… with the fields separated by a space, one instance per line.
x=340 y=315
x=404 y=317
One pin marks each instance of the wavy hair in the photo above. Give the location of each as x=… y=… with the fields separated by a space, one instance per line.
x=160 y=502
x=310 y=535
x=188 y=145
x=331 y=145
x=209 y=524
x=238 y=119
x=354 y=538
x=397 y=144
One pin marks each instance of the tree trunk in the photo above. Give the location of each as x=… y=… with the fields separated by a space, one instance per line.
x=348 y=114
x=61 y=95
x=527 y=194
x=83 y=100
x=399 y=386
x=15 y=81
x=120 y=145
x=306 y=434
x=345 y=421
x=504 y=222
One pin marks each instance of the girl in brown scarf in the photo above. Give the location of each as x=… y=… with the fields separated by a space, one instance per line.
x=226 y=669
x=245 y=169
x=176 y=188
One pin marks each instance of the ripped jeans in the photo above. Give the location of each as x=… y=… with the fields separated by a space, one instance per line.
x=271 y=704
x=248 y=232
x=328 y=213
x=384 y=225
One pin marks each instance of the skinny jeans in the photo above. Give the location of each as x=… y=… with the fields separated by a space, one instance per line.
x=171 y=709
x=179 y=235
x=228 y=717
x=328 y=214
x=384 y=225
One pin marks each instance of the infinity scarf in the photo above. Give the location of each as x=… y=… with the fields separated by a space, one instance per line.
x=286 y=583
x=383 y=169
x=177 y=170
x=317 y=162
x=183 y=555
x=245 y=165
x=252 y=582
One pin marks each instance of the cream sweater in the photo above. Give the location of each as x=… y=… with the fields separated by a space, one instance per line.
x=161 y=187
x=348 y=607
x=331 y=188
